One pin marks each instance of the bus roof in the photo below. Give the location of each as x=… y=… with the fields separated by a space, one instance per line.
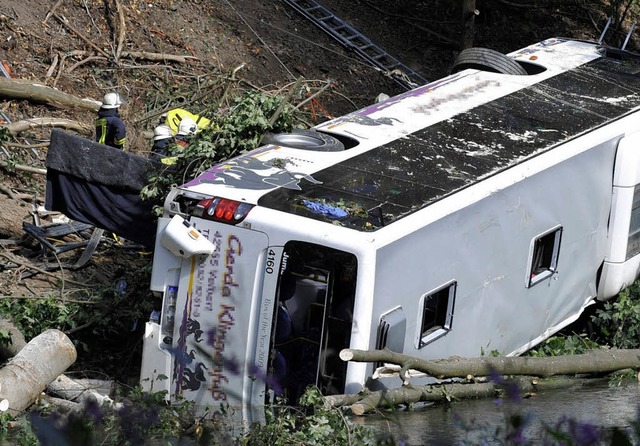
x=422 y=163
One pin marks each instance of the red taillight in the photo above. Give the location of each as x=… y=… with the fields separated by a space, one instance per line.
x=223 y=210
x=226 y=209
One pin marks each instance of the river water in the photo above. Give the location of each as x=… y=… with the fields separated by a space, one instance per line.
x=602 y=405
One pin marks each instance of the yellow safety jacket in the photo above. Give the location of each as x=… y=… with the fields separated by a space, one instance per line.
x=176 y=115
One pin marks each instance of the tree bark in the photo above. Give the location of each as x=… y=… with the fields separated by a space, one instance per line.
x=596 y=361
x=370 y=401
x=75 y=390
x=23 y=168
x=27 y=374
x=157 y=57
x=12 y=212
x=17 y=339
x=469 y=13
x=34 y=91
x=27 y=124
x=61 y=405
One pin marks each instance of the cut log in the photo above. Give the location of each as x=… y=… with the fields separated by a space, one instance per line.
x=34 y=91
x=61 y=405
x=17 y=339
x=12 y=213
x=76 y=390
x=27 y=374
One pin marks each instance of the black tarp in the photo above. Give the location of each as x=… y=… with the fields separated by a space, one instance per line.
x=99 y=185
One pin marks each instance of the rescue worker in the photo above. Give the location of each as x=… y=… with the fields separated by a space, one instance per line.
x=110 y=129
x=175 y=116
x=162 y=138
x=187 y=128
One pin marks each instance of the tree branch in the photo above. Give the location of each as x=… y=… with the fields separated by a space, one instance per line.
x=121 y=30
x=596 y=361
x=35 y=91
x=79 y=34
x=157 y=57
x=21 y=126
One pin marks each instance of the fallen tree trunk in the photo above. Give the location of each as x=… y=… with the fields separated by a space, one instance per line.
x=12 y=212
x=596 y=361
x=367 y=402
x=27 y=124
x=34 y=91
x=61 y=405
x=17 y=339
x=27 y=374
x=74 y=390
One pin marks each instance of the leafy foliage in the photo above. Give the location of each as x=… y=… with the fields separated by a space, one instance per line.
x=33 y=316
x=619 y=320
x=574 y=344
x=235 y=131
x=134 y=420
x=5 y=337
x=311 y=424
x=105 y=312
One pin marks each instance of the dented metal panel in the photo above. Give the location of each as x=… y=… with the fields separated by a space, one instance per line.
x=396 y=179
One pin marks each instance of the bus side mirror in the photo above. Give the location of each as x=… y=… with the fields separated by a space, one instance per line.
x=183 y=239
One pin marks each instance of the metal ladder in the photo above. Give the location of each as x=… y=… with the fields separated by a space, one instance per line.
x=626 y=40
x=350 y=38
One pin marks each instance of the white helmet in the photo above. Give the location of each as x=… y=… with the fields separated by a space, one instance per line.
x=111 y=100
x=187 y=127
x=163 y=131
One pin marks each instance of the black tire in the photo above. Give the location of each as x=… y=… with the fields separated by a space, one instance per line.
x=305 y=140
x=487 y=60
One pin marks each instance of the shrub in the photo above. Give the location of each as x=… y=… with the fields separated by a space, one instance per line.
x=619 y=319
x=235 y=131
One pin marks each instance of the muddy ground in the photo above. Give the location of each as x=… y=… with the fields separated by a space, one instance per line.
x=80 y=47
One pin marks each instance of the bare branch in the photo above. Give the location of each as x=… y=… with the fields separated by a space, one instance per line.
x=84 y=61
x=21 y=126
x=79 y=34
x=54 y=64
x=24 y=168
x=40 y=270
x=121 y=30
x=51 y=11
x=158 y=57
x=26 y=146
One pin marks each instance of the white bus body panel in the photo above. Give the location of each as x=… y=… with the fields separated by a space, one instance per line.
x=476 y=240
x=216 y=354
x=618 y=271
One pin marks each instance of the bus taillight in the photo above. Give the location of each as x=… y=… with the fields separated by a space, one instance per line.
x=222 y=210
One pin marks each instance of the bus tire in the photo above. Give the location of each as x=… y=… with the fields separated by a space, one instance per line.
x=305 y=140
x=485 y=59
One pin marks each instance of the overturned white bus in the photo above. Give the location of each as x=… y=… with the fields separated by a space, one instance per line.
x=483 y=211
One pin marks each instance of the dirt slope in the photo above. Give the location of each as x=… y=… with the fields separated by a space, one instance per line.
x=275 y=44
